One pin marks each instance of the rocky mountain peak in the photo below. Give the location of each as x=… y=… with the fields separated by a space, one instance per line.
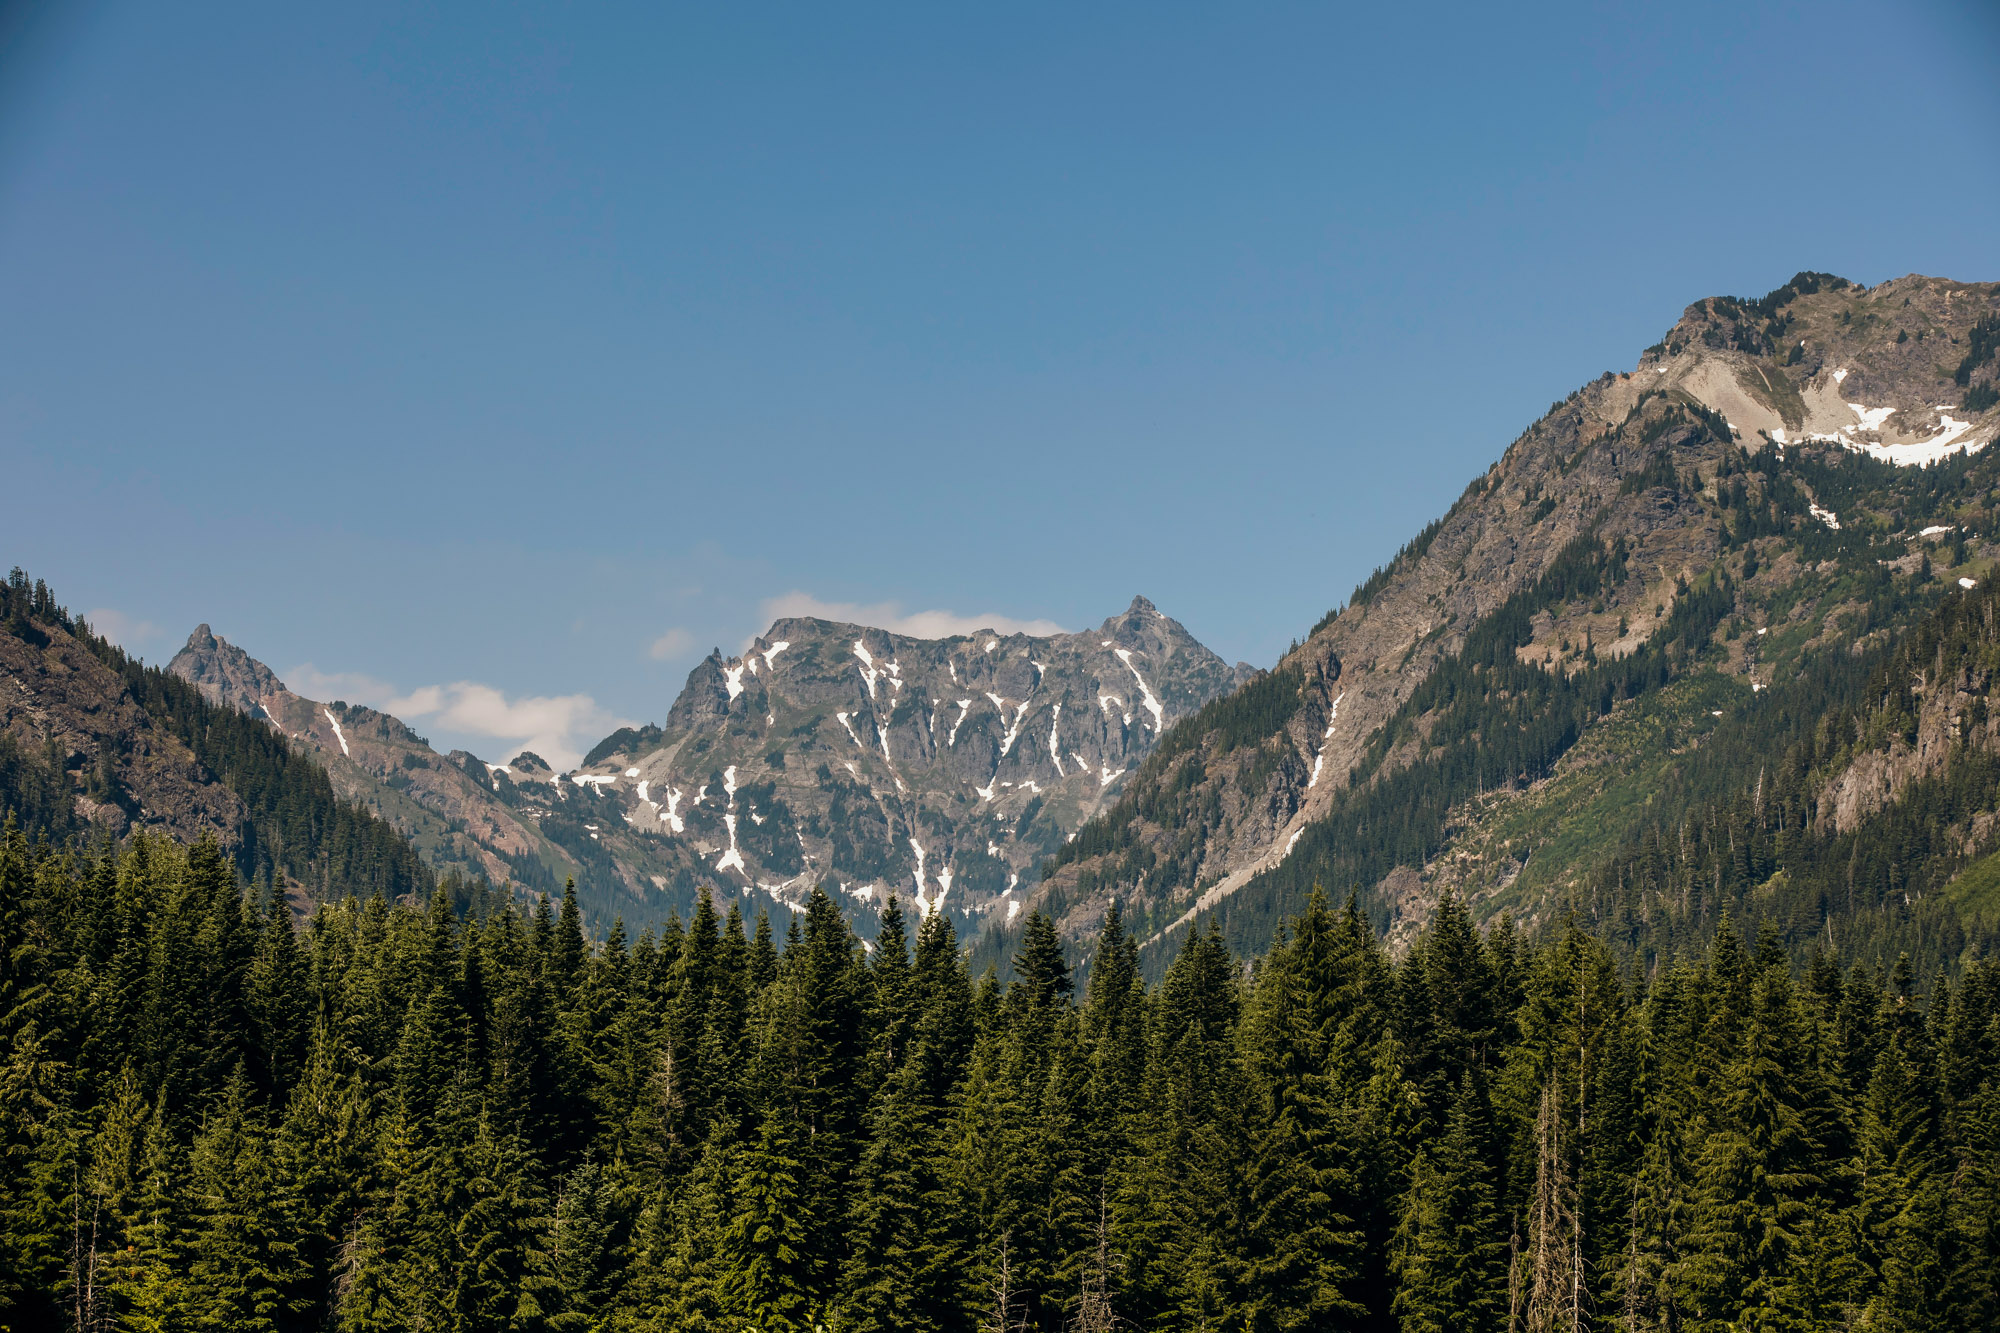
x=941 y=769
x=224 y=673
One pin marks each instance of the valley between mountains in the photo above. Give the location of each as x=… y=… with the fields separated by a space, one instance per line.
x=1657 y=664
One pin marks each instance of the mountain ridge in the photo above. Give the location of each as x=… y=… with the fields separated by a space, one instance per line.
x=1655 y=470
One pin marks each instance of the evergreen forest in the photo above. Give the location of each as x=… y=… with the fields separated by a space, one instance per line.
x=393 y=1115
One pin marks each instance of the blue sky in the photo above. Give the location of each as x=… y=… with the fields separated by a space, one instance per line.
x=495 y=361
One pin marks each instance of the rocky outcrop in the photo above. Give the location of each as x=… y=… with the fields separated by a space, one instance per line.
x=224 y=673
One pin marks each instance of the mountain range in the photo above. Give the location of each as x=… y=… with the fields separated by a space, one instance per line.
x=1601 y=683
x=940 y=770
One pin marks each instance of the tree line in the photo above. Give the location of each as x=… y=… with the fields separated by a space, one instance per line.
x=395 y=1116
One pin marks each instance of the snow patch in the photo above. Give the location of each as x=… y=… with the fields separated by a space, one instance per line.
x=1839 y=375
x=963 y=705
x=1054 y=753
x=1872 y=417
x=850 y=730
x=1936 y=528
x=1014 y=731
x=1332 y=720
x=338 y=734
x=733 y=858
x=632 y=773
x=1968 y=583
x=991 y=644
x=1826 y=516
x=1145 y=691
x=771 y=653
x=733 y=678
x=1108 y=775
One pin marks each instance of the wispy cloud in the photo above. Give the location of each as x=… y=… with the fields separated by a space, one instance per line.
x=123 y=630
x=557 y=727
x=676 y=642
x=891 y=616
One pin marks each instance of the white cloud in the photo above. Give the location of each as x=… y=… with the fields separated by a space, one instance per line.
x=891 y=616
x=350 y=686
x=676 y=642
x=556 y=727
x=123 y=630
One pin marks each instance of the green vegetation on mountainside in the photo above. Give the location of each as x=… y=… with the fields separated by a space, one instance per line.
x=297 y=828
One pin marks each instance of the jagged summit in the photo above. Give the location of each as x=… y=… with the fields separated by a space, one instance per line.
x=941 y=769
x=224 y=673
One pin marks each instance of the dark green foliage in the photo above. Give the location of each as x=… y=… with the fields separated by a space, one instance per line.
x=396 y=1117
x=1490 y=720
x=1984 y=346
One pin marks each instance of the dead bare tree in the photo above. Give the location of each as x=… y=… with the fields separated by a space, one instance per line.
x=1001 y=1318
x=1094 y=1313
x=1555 y=1241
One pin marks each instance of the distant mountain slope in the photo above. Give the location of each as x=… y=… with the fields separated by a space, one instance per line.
x=941 y=770
x=1665 y=543
x=454 y=808
x=93 y=743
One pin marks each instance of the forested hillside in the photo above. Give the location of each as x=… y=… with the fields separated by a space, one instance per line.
x=94 y=742
x=396 y=1118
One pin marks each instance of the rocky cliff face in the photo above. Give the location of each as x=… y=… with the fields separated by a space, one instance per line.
x=940 y=770
x=224 y=673
x=1647 y=462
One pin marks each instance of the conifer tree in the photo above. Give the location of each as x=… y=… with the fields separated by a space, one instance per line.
x=769 y=1275
x=1450 y=1254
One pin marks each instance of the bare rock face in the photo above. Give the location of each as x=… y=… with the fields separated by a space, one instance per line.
x=224 y=673
x=940 y=770
x=58 y=697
